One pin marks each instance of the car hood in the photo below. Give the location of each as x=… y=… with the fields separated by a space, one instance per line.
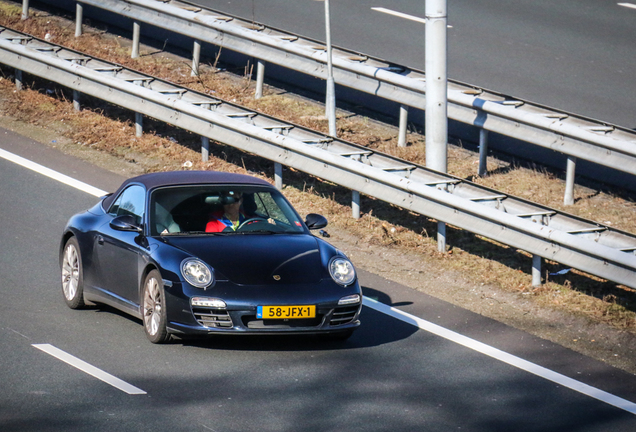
x=258 y=259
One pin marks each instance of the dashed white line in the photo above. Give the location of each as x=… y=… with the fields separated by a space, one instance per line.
x=52 y=174
x=503 y=356
x=89 y=369
x=373 y=304
x=627 y=5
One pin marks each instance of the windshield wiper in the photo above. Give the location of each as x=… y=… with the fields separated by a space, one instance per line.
x=257 y=232
x=188 y=233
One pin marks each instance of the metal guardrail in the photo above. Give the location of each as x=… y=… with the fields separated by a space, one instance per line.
x=542 y=231
x=573 y=135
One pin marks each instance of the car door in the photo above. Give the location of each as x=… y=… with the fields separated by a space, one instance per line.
x=119 y=252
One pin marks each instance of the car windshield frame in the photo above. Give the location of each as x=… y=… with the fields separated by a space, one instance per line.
x=186 y=210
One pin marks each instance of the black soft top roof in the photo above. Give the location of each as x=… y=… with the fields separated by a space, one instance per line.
x=172 y=178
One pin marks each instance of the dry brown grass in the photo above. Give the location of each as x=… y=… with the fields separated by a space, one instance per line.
x=109 y=129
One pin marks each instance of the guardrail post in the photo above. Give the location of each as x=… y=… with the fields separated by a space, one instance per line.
x=205 y=141
x=135 y=42
x=568 y=199
x=205 y=148
x=278 y=175
x=76 y=100
x=139 y=124
x=18 y=79
x=260 y=77
x=404 y=117
x=483 y=152
x=79 y=17
x=139 y=118
x=355 y=204
x=196 y=56
x=25 y=9
x=441 y=236
x=536 y=270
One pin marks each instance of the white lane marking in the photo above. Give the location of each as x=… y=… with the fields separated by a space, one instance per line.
x=52 y=174
x=627 y=5
x=502 y=356
x=399 y=14
x=89 y=369
x=388 y=310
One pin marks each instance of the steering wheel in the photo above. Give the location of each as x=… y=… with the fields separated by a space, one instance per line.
x=251 y=220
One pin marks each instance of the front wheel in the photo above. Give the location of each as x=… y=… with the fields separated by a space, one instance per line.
x=154 y=309
x=72 y=275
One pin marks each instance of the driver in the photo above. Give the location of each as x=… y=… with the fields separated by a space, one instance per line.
x=231 y=216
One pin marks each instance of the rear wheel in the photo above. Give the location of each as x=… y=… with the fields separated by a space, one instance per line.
x=154 y=309
x=72 y=275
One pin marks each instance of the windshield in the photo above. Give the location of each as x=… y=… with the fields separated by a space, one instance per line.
x=221 y=210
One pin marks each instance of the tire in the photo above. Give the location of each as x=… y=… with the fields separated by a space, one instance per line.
x=72 y=275
x=153 y=309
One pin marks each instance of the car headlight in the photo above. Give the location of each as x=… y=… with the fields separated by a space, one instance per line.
x=342 y=271
x=197 y=273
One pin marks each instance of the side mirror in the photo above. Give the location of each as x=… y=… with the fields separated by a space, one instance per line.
x=125 y=223
x=315 y=221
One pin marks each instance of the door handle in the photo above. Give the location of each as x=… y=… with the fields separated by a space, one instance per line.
x=100 y=240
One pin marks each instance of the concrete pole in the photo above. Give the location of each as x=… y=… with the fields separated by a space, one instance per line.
x=260 y=77
x=536 y=270
x=196 y=57
x=568 y=199
x=135 y=42
x=79 y=17
x=404 y=117
x=483 y=152
x=436 y=96
x=330 y=103
x=436 y=85
x=355 y=204
x=25 y=9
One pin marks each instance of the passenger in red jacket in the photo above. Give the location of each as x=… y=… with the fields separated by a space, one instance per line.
x=230 y=217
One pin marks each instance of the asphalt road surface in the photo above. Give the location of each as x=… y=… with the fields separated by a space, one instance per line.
x=577 y=56
x=422 y=366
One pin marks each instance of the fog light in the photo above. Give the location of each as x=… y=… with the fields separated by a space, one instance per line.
x=348 y=300
x=208 y=302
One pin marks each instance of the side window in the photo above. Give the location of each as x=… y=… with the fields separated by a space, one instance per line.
x=132 y=202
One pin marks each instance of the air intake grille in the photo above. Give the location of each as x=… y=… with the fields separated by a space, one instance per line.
x=343 y=315
x=212 y=317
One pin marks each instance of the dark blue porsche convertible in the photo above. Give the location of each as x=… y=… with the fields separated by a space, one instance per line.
x=201 y=252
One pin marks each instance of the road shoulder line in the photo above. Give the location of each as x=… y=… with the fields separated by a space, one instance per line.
x=497 y=354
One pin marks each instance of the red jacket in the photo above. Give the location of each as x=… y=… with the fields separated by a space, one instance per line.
x=218 y=222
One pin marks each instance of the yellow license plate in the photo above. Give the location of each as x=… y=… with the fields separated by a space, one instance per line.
x=286 y=312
